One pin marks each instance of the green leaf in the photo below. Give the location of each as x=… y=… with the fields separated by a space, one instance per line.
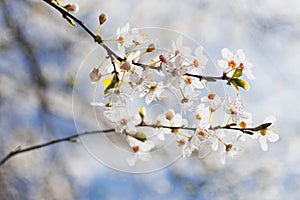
x=241 y=83
x=261 y=127
x=140 y=136
x=236 y=83
x=237 y=73
x=110 y=83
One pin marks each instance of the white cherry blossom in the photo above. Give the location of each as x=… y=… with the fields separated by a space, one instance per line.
x=234 y=61
x=236 y=109
x=141 y=150
x=268 y=134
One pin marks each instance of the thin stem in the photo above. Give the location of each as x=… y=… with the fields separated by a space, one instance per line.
x=208 y=78
x=19 y=150
x=170 y=127
x=66 y=15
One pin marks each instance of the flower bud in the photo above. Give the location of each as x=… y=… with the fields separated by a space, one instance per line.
x=211 y=96
x=169 y=115
x=95 y=75
x=150 y=48
x=163 y=59
x=135 y=149
x=72 y=8
x=102 y=18
x=196 y=63
x=121 y=40
x=125 y=66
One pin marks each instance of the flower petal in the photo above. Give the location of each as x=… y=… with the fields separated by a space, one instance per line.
x=144 y=156
x=263 y=143
x=273 y=137
x=131 y=160
x=227 y=54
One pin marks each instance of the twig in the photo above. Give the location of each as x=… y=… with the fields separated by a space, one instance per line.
x=209 y=78
x=19 y=150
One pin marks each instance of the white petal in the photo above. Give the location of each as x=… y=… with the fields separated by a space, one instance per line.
x=227 y=54
x=146 y=146
x=263 y=143
x=241 y=55
x=130 y=127
x=273 y=137
x=223 y=157
x=97 y=104
x=131 y=160
x=161 y=135
x=199 y=51
x=223 y=63
x=132 y=141
x=125 y=29
x=145 y=156
x=149 y=98
x=215 y=146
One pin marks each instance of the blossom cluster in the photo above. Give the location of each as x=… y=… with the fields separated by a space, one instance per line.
x=138 y=66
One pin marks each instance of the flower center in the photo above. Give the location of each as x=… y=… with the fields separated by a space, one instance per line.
x=180 y=142
x=123 y=122
x=198 y=117
x=243 y=124
x=152 y=88
x=231 y=64
x=228 y=147
x=211 y=96
x=203 y=133
x=175 y=131
x=263 y=132
x=188 y=80
x=135 y=149
x=121 y=40
x=196 y=63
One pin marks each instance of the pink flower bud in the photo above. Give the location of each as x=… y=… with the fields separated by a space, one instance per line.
x=169 y=115
x=125 y=66
x=95 y=75
x=102 y=18
x=72 y=8
x=150 y=48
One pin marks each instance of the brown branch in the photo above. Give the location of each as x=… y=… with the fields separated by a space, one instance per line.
x=71 y=138
x=224 y=77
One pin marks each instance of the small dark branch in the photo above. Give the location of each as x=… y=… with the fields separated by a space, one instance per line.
x=208 y=78
x=169 y=127
x=19 y=150
x=66 y=14
x=145 y=66
x=109 y=51
x=249 y=131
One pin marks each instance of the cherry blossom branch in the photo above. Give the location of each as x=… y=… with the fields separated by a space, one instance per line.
x=112 y=55
x=71 y=138
x=246 y=130
x=209 y=78
x=68 y=16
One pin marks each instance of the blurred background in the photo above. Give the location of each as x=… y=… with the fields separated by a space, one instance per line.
x=40 y=54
